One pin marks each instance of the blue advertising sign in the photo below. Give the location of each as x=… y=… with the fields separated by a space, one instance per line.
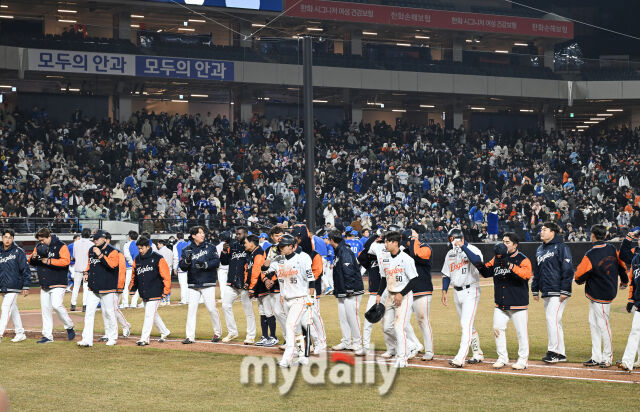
x=270 y=5
x=182 y=68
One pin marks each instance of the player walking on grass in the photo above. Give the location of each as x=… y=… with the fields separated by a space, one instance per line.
x=511 y=271
x=122 y=274
x=552 y=278
x=600 y=268
x=200 y=261
x=368 y=259
x=15 y=278
x=257 y=289
x=52 y=259
x=297 y=286
x=630 y=254
x=273 y=286
x=152 y=279
x=460 y=271
x=102 y=277
x=399 y=276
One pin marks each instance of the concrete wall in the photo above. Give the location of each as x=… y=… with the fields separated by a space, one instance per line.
x=182 y=108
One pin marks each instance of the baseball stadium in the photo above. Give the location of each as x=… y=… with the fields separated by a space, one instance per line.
x=301 y=204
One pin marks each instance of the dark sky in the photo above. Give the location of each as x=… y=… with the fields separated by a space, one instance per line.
x=618 y=15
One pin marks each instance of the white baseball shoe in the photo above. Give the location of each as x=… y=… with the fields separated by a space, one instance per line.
x=283 y=364
x=341 y=346
x=499 y=364
x=19 y=338
x=249 y=341
x=84 y=344
x=111 y=343
x=637 y=364
x=164 y=336
x=456 y=363
x=302 y=360
x=319 y=349
x=519 y=366
x=388 y=355
x=229 y=337
x=427 y=357
x=413 y=353
x=475 y=359
x=126 y=331
x=360 y=351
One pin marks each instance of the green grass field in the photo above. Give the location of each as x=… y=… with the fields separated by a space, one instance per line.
x=61 y=376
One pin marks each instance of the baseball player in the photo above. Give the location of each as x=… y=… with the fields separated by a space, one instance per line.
x=152 y=278
x=130 y=252
x=235 y=256
x=72 y=264
x=368 y=260
x=599 y=269
x=272 y=284
x=102 y=275
x=511 y=271
x=81 y=255
x=317 y=327
x=15 y=278
x=348 y=289
x=182 y=275
x=351 y=239
x=422 y=291
x=459 y=271
x=122 y=266
x=200 y=261
x=297 y=286
x=167 y=254
x=327 y=278
x=257 y=288
x=552 y=277
x=223 y=270
x=399 y=276
x=631 y=256
x=51 y=257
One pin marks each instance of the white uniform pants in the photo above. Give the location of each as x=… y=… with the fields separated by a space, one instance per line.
x=349 y=315
x=230 y=296
x=295 y=309
x=395 y=322
x=519 y=318
x=317 y=326
x=327 y=275
x=266 y=305
x=209 y=296
x=77 y=281
x=184 y=287
x=601 y=343
x=422 y=308
x=127 y=284
x=553 y=309
x=151 y=317
x=280 y=312
x=120 y=316
x=108 y=305
x=10 y=308
x=367 y=330
x=466 y=301
x=633 y=342
x=222 y=280
x=51 y=300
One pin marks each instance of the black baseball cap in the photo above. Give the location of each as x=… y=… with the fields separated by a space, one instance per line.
x=99 y=234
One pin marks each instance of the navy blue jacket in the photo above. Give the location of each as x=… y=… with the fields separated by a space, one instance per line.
x=511 y=283
x=14 y=270
x=370 y=263
x=421 y=254
x=52 y=273
x=553 y=269
x=600 y=268
x=236 y=258
x=630 y=255
x=347 y=280
x=200 y=278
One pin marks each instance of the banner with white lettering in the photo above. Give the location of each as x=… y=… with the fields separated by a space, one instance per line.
x=182 y=68
x=81 y=62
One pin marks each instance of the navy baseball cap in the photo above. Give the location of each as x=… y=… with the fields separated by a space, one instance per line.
x=99 y=234
x=299 y=231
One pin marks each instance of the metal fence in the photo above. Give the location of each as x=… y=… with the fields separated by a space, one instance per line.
x=30 y=225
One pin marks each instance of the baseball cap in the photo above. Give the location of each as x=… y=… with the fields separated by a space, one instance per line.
x=354 y=233
x=263 y=235
x=348 y=229
x=299 y=231
x=99 y=234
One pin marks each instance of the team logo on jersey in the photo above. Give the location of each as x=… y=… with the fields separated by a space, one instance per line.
x=239 y=255
x=546 y=256
x=501 y=271
x=287 y=272
x=394 y=271
x=199 y=254
x=143 y=269
x=94 y=261
x=51 y=255
x=8 y=258
x=455 y=266
x=636 y=272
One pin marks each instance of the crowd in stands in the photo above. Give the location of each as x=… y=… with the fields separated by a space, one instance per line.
x=171 y=171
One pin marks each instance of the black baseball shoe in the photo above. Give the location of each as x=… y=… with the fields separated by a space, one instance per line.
x=73 y=308
x=551 y=357
x=561 y=358
x=71 y=334
x=215 y=339
x=187 y=341
x=590 y=363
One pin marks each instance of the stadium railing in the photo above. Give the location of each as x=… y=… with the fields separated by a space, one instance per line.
x=30 y=225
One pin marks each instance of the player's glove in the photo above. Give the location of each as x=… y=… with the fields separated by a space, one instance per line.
x=629 y=307
x=201 y=265
x=188 y=258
